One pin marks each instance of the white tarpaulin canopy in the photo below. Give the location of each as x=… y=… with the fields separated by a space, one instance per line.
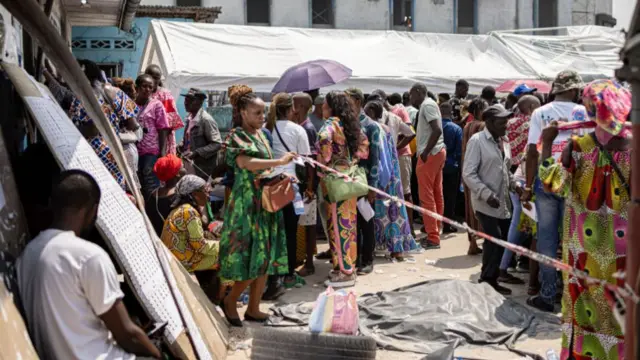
x=214 y=57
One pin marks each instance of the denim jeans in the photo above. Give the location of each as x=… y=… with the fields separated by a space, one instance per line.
x=550 y=211
x=148 y=179
x=515 y=236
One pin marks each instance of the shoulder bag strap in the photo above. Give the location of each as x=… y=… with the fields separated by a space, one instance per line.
x=280 y=137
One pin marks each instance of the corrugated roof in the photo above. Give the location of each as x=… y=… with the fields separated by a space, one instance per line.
x=197 y=13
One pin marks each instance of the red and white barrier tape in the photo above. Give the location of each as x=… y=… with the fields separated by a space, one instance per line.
x=625 y=292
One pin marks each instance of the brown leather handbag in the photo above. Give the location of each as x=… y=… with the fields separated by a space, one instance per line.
x=277 y=193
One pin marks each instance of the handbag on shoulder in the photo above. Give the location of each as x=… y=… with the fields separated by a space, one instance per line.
x=277 y=193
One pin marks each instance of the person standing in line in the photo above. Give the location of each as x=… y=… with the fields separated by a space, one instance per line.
x=69 y=287
x=593 y=174
x=458 y=99
x=202 y=140
x=153 y=145
x=487 y=174
x=550 y=207
x=366 y=229
x=489 y=95
x=404 y=152
x=248 y=254
x=316 y=115
x=472 y=127
x=452 y=134
x=288 y=137
x=341 y=143
x=518 y=134
x=392 y=227
x=116 y=106
x=307 y=248
x=163 y=95
x=406 y=100
x=431 y=157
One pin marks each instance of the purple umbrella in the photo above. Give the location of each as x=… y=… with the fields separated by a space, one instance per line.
x=312 y=75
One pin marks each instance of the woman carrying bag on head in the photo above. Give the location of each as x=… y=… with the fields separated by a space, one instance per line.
x=253 y=241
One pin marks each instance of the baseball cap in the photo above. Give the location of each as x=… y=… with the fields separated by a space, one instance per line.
x=496 y=112
x=319 y=100
x=567 y=80
x=523 y=89
x=193 y=92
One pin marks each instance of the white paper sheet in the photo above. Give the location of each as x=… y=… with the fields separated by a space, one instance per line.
x=530 y=212
x=365 y=209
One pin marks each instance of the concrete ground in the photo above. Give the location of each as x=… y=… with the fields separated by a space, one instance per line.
x=451 y=262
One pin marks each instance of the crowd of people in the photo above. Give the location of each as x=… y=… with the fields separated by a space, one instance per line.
x=488 y=162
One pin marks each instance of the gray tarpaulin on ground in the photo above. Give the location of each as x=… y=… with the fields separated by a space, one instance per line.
x=438 y=316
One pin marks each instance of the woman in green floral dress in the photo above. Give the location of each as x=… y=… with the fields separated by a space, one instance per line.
x=253 y=242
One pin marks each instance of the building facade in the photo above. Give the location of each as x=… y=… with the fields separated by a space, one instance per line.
x=442 y=16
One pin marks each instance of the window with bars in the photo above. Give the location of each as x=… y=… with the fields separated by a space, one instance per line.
x=259 y=12
x=103 y=44
x=111 y=69
x=402 y=14
x=188 y=2
x=466 y=16
x=322 y=13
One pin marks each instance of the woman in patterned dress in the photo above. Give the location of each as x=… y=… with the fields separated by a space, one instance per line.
x=253 y=242
x=166 y=98
x=116 y=106
x=595 y=219
x=392 y=226
x=341 y=143
x=474 y=124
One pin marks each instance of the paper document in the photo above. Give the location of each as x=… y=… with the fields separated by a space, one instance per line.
x=531 y=212
x=365 y=209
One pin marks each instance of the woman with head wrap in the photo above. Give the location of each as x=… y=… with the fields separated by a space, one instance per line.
x=253 y=241
x=474 y=124
x=168 y=170
x=183 y=233
x=593 y=175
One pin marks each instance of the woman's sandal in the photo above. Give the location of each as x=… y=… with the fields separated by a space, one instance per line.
x=307 y=271
x=234 y=322
x=250 y=318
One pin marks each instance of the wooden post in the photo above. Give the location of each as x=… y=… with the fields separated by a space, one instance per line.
x=39 y=64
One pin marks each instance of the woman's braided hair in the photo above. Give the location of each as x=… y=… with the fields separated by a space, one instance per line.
x=240 y=96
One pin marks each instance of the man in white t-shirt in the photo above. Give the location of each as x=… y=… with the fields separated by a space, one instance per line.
x=69 y=287
x=550 y=208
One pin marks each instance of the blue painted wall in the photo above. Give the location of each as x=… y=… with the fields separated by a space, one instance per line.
x=130 y=59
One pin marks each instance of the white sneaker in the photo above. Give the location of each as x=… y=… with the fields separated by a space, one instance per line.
x=341 y=280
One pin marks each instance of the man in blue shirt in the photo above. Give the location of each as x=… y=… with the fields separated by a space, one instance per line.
x=452 y=134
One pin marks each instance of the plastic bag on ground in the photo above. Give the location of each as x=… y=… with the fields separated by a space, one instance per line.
x=335 y=312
